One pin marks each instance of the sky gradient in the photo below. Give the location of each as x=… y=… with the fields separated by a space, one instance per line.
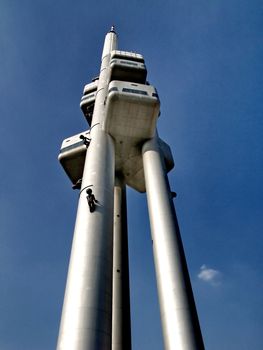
x=205 y=59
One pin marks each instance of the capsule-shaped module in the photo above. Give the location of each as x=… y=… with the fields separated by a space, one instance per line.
x=87 y=101
x=127 y=66
x=131 y=110
x=72 y=155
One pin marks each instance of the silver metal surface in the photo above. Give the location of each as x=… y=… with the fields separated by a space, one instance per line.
x=87 y=310
x=132 y=110
x=181 y=330
x=122 y=115
x=121 y=323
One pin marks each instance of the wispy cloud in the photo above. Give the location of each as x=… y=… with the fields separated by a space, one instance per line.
x=210 y=275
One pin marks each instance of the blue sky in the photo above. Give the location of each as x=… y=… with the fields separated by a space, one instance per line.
x=205 y=58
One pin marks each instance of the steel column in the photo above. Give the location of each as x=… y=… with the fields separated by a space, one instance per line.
x=87 y=311
x=121 y=323
x=181 y=330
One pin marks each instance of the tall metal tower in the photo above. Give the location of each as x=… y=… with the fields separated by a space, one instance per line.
x=122 y=147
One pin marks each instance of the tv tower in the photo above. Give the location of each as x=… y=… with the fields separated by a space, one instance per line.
x=122 y=147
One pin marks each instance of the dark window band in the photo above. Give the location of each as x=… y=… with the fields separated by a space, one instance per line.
x=133 y=91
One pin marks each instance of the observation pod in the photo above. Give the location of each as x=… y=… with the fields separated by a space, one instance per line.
x=72 y=156
x=127 y=66
x=131 y=110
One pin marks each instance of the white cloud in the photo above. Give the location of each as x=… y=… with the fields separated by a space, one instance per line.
x=209 y=275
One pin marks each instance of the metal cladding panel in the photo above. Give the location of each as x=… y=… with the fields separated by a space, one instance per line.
x=132 y=110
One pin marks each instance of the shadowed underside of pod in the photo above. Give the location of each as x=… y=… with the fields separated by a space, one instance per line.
x=128 y=159
x=131 y=113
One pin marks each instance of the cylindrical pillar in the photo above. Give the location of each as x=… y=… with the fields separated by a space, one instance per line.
x=87 y=311
x=181 y=330
x=121 y=323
